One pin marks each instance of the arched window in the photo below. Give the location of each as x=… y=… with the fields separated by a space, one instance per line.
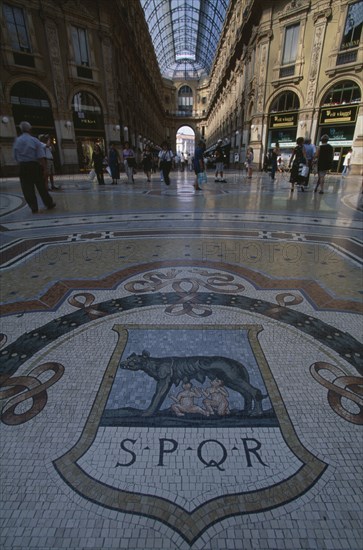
x=27 y=93
x=31 y=103
x=342 y=93
x=87 y=112
x=84 y=101
x=185 y=100
x=287 y=101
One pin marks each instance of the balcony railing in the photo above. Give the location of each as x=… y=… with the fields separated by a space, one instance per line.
x=287 y=71
x=190 y=114
x=347 y=57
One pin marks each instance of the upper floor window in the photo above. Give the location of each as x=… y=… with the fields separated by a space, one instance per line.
x=185 y=99
x=351 y=34
x=79 y=38
x=290 y=44
x=353 y=26
x=287 y=101
x=343 y=93
x=16 y=25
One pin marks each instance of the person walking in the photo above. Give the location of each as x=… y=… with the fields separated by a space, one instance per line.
x=29 y=152
x=249 y=161
x=310 y=150
x=98 y=158
x=114 y=163
x=346 y=163
x=165 y=161
x=325 y=156
x=49 y=163
x=219 y=162
x=275 y=153
x=199 y=166
x=297 y=160
x=128 y=156
x=147 y=162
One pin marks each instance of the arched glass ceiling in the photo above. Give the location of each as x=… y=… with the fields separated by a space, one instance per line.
x=185 y=34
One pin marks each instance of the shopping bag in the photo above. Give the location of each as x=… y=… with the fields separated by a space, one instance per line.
x=108 y=170
x=202 y=178
x=92 y=175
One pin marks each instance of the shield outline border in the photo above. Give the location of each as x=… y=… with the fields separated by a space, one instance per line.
x=189 y=525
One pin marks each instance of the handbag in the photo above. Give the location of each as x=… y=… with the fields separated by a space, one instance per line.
x=131 y=162
x=202 y=178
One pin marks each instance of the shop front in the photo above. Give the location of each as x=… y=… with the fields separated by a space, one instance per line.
x=89 y=128
x=283 y=131
x=339 y=124
x=283 y=124
x=338 y=118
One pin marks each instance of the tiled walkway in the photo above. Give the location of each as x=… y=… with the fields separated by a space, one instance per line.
x=182 y=370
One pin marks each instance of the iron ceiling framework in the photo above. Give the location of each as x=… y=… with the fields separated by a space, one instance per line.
x=185 y=34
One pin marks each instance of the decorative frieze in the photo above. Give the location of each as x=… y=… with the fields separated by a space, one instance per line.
x=56 y=64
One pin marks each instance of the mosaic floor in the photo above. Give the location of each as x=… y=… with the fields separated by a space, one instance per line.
x=182 y=369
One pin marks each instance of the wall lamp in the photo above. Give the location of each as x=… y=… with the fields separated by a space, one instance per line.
x=302 y=124
x=68 y=124
x=125 y=128
x=5 y=119
x=117 y=128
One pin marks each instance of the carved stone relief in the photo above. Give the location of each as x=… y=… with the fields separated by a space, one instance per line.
x=262 y=78
x=314 y=64
x=108 y=75
x=56 y=63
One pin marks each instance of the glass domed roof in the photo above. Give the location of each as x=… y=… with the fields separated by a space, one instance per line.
x=185 y=34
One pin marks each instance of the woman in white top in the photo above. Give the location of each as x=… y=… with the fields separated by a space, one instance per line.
x=166 y=156
x=129 y=160
x=346 y=163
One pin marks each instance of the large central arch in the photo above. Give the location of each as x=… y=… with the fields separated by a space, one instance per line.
x=185 y=145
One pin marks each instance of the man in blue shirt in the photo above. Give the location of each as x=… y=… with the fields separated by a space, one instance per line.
x=29 y=152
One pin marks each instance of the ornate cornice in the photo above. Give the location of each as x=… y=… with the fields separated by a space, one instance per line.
x=326 y=14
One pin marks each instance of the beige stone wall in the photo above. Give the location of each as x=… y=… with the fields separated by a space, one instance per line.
x=248 y=74
x=125 y=79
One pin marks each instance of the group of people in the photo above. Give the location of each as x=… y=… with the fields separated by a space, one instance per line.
x=35 y=157
x=165 y=162
x=304 y=155
x=113 y=162
x=307 y=158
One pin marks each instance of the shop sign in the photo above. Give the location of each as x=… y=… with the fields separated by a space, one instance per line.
x=88 y=120
x=283 y=120
x=338 y=115
x=36 y=117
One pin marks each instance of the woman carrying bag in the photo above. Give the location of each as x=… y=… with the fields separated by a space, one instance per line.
x=199 y=167
x=114 y=163
x=298 y=165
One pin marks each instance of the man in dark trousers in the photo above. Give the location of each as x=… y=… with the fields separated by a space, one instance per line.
x=29 y=152
x=325 y=155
